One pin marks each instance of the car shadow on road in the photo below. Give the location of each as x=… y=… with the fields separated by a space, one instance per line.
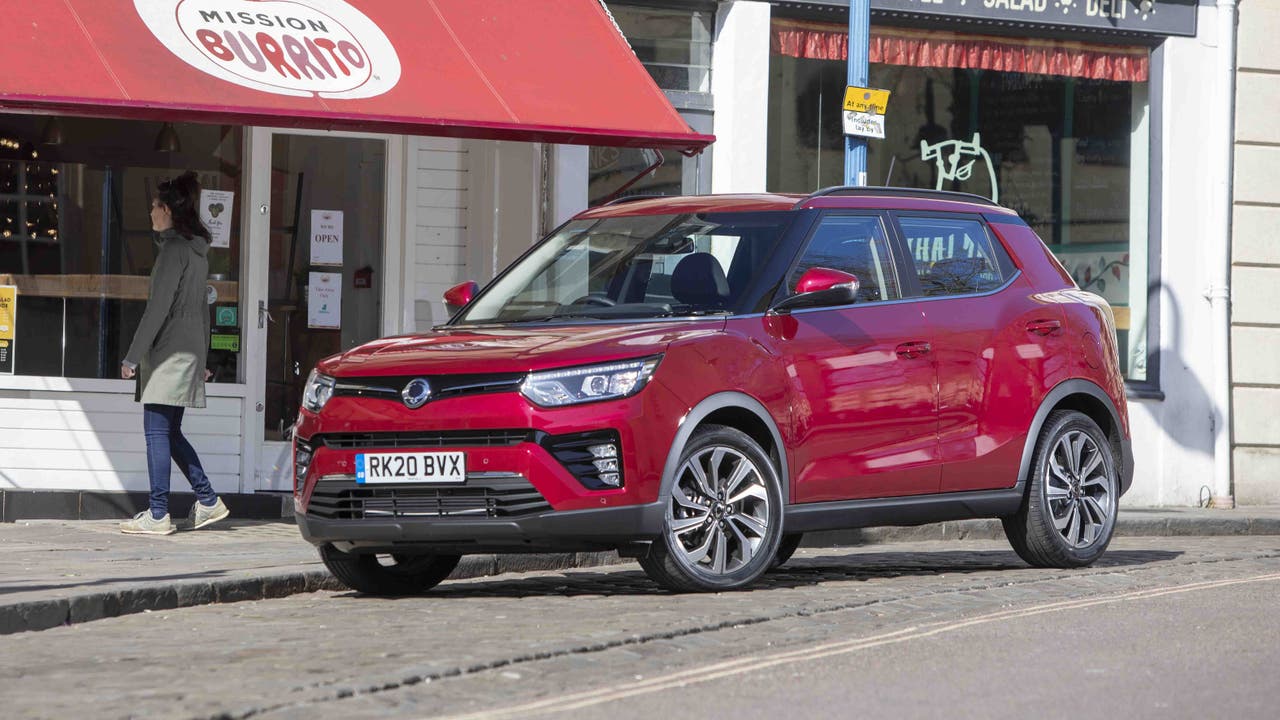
x=811 y=569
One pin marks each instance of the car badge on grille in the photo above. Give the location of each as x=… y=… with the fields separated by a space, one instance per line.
x=416 y=393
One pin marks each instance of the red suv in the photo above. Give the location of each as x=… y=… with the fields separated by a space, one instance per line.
x=698 y=381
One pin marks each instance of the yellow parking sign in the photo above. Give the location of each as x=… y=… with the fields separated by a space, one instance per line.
x=865 y=100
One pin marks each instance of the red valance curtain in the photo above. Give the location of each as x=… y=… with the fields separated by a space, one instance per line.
x=918 y=48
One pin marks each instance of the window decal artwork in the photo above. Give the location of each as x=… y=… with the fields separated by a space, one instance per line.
x=955 y=160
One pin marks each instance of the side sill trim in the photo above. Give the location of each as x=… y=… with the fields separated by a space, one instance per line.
x=912 y=510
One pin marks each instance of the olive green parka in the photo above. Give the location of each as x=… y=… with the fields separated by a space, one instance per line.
x=171 y=344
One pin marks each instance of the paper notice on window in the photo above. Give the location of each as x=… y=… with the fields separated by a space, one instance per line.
x=8 y=327
x=216 y=214
x=324 y=301
x=326 y=237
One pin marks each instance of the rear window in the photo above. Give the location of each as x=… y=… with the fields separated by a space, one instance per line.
x=954 y=256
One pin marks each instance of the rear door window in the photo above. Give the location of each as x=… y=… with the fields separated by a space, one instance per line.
x=954 y=256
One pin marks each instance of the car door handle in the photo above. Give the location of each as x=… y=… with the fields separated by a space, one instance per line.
x=1044 y=327
x=913 y=349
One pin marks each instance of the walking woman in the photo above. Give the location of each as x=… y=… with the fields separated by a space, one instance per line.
x=168 y=356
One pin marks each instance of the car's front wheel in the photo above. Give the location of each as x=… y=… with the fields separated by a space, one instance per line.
x=723 y=517
x=388 y=574
x=1069 y=512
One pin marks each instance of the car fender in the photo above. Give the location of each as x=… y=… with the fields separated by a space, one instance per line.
x=1066 y=388
x=692 y=419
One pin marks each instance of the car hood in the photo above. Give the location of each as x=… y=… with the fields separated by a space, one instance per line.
x=519 y=348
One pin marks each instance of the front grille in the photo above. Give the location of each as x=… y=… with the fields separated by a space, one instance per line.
x=485 y=495
x=442 y=386
x=418 y=439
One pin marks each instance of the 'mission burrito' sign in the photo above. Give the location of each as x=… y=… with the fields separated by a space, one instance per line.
x=303 y=48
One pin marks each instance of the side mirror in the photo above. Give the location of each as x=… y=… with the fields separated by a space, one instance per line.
x=820 y=287
x=459 y=296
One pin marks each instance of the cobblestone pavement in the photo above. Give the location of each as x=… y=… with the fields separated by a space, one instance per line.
x=507 y=641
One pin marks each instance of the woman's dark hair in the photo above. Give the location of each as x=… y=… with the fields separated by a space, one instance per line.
x=182 y=195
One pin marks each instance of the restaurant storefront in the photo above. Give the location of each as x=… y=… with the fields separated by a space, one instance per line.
x=1092 y=118
x=338 y=144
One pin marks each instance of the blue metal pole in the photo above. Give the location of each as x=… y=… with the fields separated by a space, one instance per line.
x=855 y=148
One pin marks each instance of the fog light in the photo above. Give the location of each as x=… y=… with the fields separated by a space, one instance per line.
x=611 y=479
x=301 y=462
x=610 y=465
x=603 y=451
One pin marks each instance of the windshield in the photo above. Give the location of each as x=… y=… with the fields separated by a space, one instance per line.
x=640 y=266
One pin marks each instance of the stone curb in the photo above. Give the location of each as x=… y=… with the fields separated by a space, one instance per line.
x=45 y=614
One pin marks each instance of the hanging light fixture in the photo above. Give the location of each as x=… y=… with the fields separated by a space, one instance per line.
x=167 y=140
x=52 y=133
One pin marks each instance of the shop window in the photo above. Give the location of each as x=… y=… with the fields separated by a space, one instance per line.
x=76 y=239
x=1064 y=140
x=675 y=47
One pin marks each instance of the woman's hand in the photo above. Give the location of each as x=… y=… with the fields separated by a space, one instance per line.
x=127 y=372
x=207 y=374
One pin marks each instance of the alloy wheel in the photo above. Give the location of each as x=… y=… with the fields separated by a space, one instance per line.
x=719 y=511
x=1079 y=489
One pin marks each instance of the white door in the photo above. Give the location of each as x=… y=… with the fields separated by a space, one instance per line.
x=318 y=272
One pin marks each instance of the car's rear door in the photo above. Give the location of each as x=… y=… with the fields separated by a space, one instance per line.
x=862 y=377
x=994 y=340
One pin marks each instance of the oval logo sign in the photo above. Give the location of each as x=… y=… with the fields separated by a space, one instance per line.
x=303 y=48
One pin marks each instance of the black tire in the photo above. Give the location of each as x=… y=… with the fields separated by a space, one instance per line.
x=742 y=535
x=402 y=575
x=1034 y=531
x=786 y=548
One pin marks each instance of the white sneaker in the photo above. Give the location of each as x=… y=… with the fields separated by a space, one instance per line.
x=144 y=524
x=202 y=515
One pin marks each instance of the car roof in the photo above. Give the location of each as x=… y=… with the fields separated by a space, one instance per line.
x=862 y=198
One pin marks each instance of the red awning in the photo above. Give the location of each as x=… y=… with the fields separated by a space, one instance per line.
x=892 y=46
x=551 y=71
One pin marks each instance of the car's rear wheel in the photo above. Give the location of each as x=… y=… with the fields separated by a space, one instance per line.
x=388 y=574
x=723 y=517
x=1069 y=511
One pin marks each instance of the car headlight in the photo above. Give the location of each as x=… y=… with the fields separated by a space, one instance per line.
x=317 y=392
x=555 y=388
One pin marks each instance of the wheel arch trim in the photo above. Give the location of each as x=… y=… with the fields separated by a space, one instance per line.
x=1060 y=392
x=728 y=400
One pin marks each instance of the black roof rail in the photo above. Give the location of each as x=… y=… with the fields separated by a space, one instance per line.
x=856 y=191
x=631 y=198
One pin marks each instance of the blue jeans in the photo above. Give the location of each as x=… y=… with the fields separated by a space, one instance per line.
x=162 y=425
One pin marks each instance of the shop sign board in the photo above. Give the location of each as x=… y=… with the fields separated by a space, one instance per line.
x=324 y=301
x=216 y=214
x=303 y=48
x=8 y=327
x=1157 y=17
x=326 y=237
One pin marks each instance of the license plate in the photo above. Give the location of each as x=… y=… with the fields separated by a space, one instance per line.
x=424 y=467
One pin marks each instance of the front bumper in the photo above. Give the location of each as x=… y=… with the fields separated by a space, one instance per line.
x=564 y=530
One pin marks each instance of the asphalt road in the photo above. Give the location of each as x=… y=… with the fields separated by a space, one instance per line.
x=1162 y=627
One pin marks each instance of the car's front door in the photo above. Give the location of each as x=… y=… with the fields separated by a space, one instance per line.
x=862 y=375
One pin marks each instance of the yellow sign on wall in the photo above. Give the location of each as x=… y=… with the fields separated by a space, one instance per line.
x=865 y=100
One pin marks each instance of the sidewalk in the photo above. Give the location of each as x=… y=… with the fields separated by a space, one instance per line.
x=58 y=572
